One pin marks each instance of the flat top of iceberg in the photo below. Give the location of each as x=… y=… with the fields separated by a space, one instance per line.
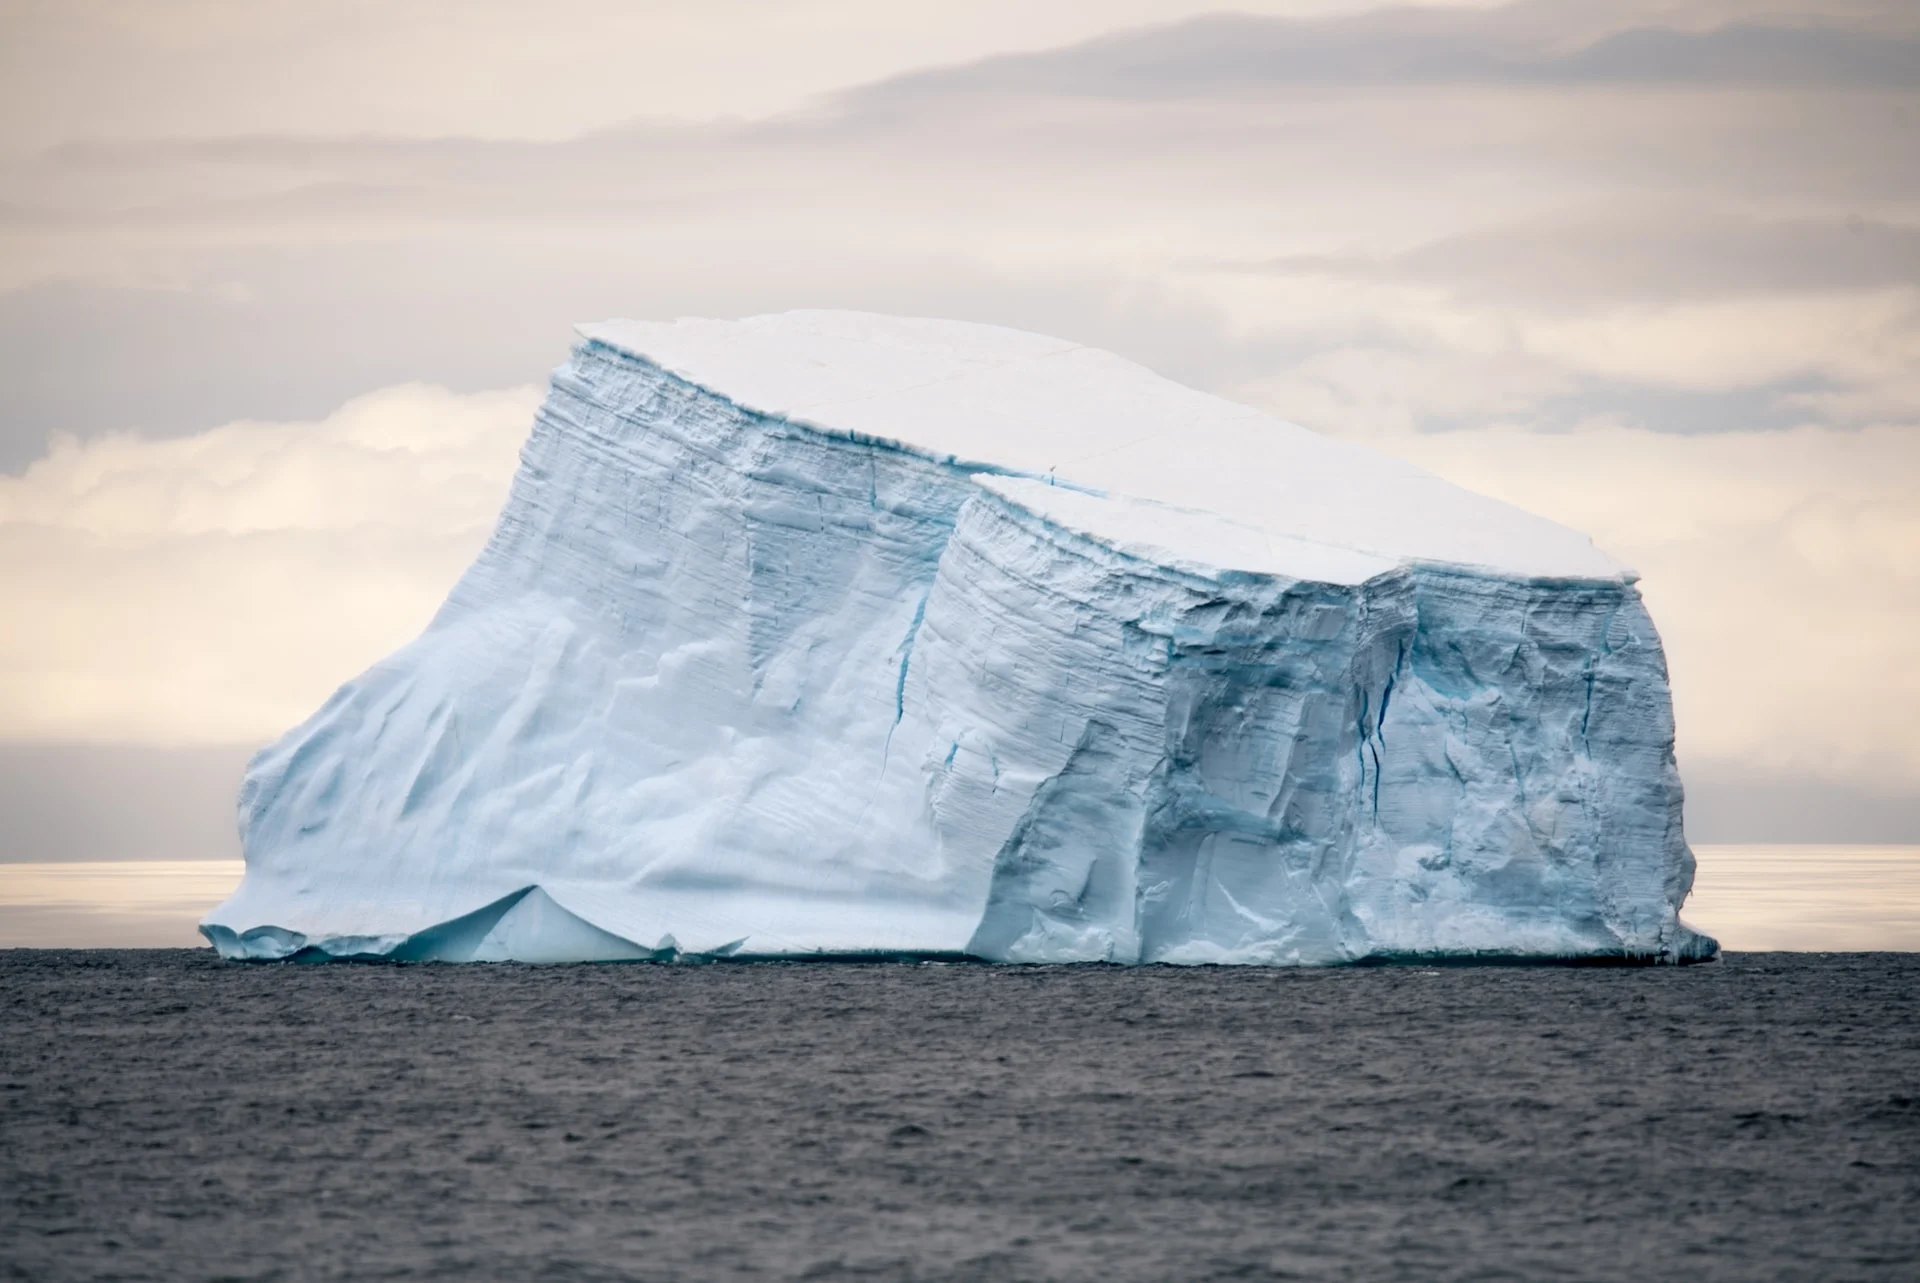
x=1011 y=401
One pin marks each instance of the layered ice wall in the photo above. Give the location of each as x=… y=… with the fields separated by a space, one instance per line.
x=832 y=634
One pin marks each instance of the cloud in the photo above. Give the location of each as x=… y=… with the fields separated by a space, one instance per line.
x=61 y=802
x=1640 y=258
x=215 y=588
x=88 y=68
x=1523 y=44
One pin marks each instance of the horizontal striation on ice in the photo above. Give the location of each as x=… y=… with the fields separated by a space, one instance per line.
x=837 y=635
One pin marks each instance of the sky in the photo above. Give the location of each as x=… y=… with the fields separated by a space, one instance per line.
x=280 y=285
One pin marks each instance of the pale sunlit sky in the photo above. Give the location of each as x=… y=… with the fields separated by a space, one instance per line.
x=280 y=284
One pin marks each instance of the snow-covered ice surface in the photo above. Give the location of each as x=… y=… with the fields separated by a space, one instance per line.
x=837 y=634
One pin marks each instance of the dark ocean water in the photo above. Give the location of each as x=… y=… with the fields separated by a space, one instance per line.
x=166 y=1116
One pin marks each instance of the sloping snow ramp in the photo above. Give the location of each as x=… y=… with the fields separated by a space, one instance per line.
x=827 y=634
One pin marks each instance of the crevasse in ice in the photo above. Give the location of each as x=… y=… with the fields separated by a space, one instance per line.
x=829 y=634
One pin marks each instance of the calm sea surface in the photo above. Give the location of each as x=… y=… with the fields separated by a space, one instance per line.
x=1837 y=898
x=167 y=1116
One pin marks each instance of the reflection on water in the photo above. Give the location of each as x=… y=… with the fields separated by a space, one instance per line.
x=1835 y=898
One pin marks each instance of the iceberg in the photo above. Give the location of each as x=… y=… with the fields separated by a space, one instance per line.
x=829 y=634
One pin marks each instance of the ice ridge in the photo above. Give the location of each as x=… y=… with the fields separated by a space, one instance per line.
x=836 y=635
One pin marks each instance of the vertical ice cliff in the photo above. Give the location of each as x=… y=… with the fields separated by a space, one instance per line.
x=826 y=633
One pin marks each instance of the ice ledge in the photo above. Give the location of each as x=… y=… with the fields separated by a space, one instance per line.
x=1183 y=539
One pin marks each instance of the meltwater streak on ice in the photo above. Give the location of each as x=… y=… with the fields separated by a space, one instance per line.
x=829 y=634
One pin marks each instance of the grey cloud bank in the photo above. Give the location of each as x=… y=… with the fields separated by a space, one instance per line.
x=159 y=803
x=1522 y=45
